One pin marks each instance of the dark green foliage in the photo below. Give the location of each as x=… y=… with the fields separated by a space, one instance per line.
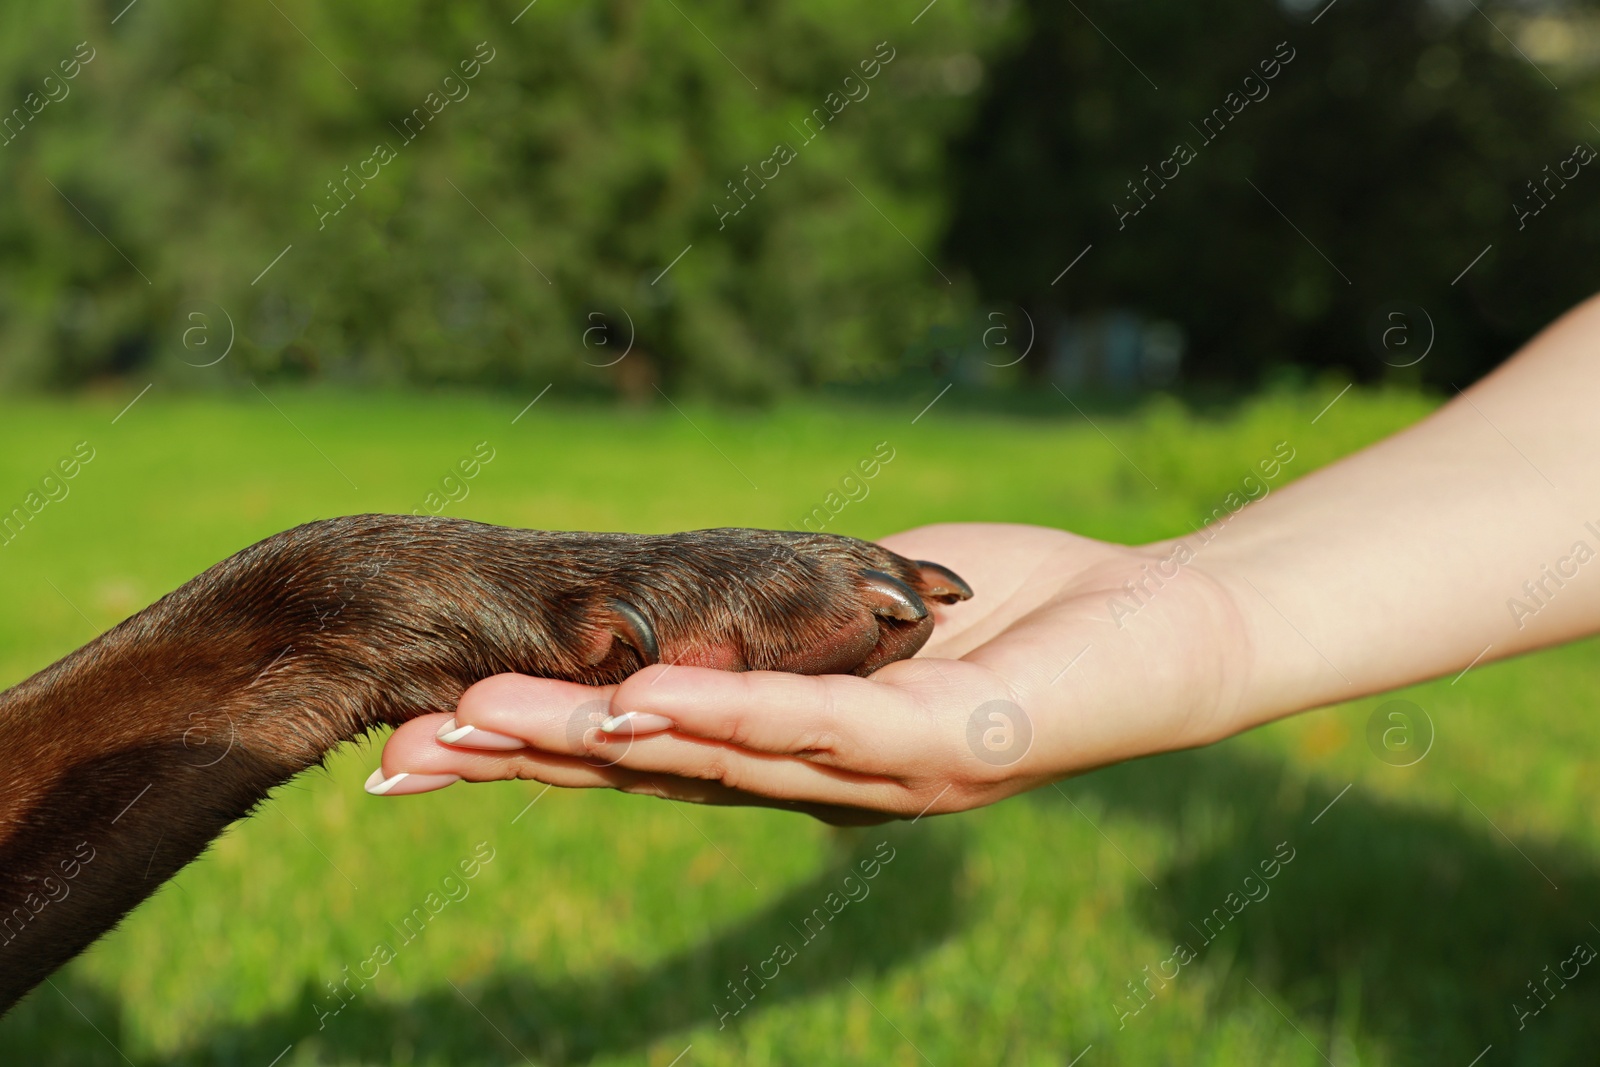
x=1396 y=139
x=585 y=155
x=521 y=237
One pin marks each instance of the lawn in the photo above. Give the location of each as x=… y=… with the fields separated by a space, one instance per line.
x=1404 y=928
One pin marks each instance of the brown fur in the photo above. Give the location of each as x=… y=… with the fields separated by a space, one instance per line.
x=120 y=763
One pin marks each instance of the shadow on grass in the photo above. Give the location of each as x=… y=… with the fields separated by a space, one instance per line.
x=1417 y=930
x=1411 y=930
x=510 y=1016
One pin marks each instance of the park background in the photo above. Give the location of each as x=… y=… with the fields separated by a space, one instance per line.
x=559 y=255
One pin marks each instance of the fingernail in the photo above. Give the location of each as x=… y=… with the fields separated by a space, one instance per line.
x=636 y=722
x=405 y=782
x=473 y=737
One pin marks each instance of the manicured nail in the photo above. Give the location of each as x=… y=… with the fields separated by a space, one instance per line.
x=635 y=723
x=473 y=737
x=405 y=782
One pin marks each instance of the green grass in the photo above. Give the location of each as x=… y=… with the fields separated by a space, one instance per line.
x=606 y=926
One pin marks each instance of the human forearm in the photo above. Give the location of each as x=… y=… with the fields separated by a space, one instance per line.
x=1409 y=559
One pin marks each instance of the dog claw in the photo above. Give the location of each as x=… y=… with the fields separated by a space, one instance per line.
x=632 y=628
x=942 y=583
x=889 y=596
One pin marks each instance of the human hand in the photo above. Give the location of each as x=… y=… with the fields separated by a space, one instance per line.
x=1033 y=679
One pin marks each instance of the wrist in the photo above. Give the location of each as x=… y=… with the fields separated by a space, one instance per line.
x=1281 y=667
x=1177 y=668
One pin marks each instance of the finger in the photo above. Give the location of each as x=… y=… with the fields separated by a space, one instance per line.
x=420 y=760
x=777 y=780
x=415 y=756
x=414 y=750
x=832 y=719
x=905 y=714
x=549 y=715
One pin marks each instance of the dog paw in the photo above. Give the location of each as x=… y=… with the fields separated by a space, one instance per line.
x=389 y=617
x=760 y=600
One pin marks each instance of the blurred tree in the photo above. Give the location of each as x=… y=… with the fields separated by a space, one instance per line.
x=1392 y=149
x=327 y=187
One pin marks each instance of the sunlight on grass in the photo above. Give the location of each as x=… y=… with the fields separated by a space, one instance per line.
x=605 y=929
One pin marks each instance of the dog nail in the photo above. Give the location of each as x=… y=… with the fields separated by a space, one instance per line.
x=889 y=596
x=473 y=737
x=405 y=782
x=635 y=723
x=633 y=628
x=943 y=583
